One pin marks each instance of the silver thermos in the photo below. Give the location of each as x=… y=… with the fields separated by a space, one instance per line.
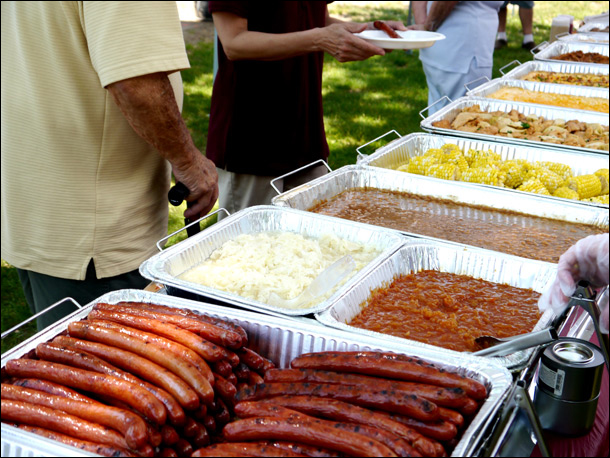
x=568 y=386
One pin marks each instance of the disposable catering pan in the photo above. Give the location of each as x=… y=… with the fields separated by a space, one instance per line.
x=522 y=70
x=357 y=176
x=585 y=37
x=167 y=266
x=450 y=111
x=280 y=340
x=488 y=89
x=416 y=256
x=594 y=25
x=557 y=48
x=402 y=150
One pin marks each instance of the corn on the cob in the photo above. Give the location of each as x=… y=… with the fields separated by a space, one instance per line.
x=563 y=170
x=550 y=180
x=484 y=175
x=444 y=171
x=454 y=157
x=419 y=164
x=534 y=185
x=598 y=199
x=602 y=174
x=585 y=185
x=480 y=158
x=566 y=193
x=514 y=169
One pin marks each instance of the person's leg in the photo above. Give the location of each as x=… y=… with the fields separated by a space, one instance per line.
x=238 y=191
x=526 y=15
x=44 y=290
x=501 y=40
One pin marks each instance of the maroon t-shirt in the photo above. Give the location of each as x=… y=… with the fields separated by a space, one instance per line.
x=266 y=117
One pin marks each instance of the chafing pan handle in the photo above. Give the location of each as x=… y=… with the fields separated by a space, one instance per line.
x=319 y=161
x=466 y=86
x=540 y=47
x=430 y=106
x=167 y=237
x=564 y=34
x=360 y=155
x=33 y=317
x=508 y=65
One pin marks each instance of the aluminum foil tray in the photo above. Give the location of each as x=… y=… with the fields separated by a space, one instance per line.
x=586 y=37
x=357 y=176
x=558 y=48
x=487 y=89
x=451 y=110
x=594 y=25
x=474 y=262
x=522 y=70
x=401 y=150
x=280 y=340
x=167 y=266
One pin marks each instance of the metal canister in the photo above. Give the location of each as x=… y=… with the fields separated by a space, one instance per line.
x=568 y=386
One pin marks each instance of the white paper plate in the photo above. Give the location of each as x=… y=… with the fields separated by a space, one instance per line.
x=411 y=39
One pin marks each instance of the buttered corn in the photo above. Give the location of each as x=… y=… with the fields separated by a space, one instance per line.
x=449 y=162
x=585 y=185
x=534 y=185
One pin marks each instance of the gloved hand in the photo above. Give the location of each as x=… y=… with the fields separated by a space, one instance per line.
x=586 y=260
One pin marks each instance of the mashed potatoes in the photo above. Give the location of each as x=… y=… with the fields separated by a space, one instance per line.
x=255 y=265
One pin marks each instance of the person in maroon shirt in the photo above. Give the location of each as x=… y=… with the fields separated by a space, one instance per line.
x=266 y=118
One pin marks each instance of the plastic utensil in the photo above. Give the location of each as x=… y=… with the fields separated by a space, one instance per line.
x=323 y=283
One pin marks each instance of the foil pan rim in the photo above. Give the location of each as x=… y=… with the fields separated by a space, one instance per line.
x=542 y=110
x=498 y=378
x=513 y=362
x=153 y=269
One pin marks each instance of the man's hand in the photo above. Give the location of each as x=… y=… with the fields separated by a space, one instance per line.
x=150 y=107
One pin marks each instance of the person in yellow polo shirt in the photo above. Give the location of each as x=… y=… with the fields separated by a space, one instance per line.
x=91 y=131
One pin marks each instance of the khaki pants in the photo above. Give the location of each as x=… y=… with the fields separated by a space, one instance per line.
x=238 y=191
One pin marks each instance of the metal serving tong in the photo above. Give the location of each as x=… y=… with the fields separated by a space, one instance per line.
x=584 y=296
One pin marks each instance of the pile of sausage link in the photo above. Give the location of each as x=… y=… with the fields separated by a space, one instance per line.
x=171 y=382
x=161 y=381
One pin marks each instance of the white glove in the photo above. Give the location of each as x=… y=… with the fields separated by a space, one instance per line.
x=586 y=260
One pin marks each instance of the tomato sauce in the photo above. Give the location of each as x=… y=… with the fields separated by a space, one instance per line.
x=448 y=310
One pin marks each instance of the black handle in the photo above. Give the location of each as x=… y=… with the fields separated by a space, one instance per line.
x=176 y=195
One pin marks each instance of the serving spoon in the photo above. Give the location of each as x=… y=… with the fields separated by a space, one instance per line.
x=323 y=283
x=494 y=346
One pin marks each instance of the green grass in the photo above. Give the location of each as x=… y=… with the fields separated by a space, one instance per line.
x=362 y=101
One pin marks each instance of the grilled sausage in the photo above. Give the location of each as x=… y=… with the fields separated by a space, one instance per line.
x=387 y=365
x=77 y=358
x=333 y=409
x=127 y=423
x=146 y=369
x=107 y=385
x=87 y=446
x=380 y=25
x=158 y=349
x=308 y=430
x=210 y=332
x=390 y=400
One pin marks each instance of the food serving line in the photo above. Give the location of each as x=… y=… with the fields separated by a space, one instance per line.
x=505 y=420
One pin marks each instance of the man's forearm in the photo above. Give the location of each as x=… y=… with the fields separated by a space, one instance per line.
x=149 y=105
